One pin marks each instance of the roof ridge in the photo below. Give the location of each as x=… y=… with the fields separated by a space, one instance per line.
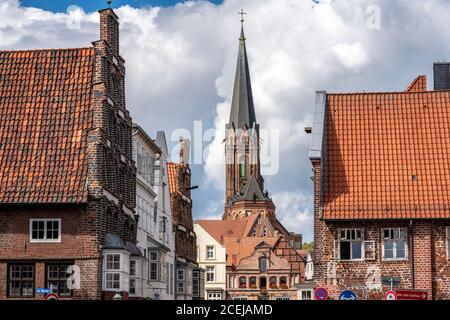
x=47 y=49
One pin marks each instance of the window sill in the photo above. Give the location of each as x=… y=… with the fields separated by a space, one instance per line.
x=45 y=241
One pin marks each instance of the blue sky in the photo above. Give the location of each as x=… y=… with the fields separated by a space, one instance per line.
x=94 y=5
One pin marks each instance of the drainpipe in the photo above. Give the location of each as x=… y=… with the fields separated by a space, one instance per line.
x=411 y=246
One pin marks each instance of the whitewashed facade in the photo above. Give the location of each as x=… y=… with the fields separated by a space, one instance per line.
x=154 y=232
x=212 y=257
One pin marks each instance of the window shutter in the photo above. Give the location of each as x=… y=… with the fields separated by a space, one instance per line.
x=336 y=247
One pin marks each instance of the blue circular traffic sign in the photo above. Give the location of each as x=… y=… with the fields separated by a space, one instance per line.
x=347 y=295
x=321 y=294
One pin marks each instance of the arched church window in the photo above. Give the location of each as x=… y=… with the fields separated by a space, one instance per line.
x=243 y=166
x=242 y=282
x=252 y=284
x=262 y=264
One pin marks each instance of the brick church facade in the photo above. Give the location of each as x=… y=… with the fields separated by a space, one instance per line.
x=263 y=259
x=67 y=177
x=382 y=189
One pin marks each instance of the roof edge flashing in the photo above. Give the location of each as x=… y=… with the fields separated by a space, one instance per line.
x=315 y=150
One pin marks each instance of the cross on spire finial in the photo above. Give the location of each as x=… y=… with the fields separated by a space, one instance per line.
x=242 y=13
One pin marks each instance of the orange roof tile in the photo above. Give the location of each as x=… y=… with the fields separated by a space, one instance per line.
x=220 y=229
x=45 y=114
x=418 y=85
x=243 y=247
x=387 y=155
x=172 y=176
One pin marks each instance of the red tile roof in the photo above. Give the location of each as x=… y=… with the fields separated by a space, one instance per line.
x=418 y=85
x=387 y=155
x=45 y=115
x=172 y=175
x=243 y=247
x=234 y=235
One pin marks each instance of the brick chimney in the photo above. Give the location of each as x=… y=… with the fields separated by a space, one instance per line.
x=109 y=29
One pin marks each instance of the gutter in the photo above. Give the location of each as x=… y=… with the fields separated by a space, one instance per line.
x=411 y=246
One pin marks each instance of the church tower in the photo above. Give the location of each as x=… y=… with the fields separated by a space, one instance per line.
x=244 y=182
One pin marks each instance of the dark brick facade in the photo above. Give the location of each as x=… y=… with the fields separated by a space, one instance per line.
x=181 y=206
x=110 y=181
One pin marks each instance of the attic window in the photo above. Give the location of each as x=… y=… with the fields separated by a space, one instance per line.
x=414 y=178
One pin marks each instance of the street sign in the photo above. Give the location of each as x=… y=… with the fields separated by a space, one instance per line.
x=390 y=295
x=347 y=295
x=411 y=295
x=321 y=294
x=43 y=290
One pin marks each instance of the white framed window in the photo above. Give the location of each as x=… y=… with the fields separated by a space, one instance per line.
x=448 y=242
x=210 y=252
x=283 y=298
x=153 y=265
x=181 y=287
x=214 y=296
x=181 y=278
x=264 y=232
x=254 y=232
x=305 y=295
x=181 y=274
x=394 y=243
x=45 y=230
x=351 y=244
x=112 y=271
x=210 y=274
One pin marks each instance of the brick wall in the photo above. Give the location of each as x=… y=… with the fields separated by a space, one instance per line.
x=431 y=267
x=185 y=243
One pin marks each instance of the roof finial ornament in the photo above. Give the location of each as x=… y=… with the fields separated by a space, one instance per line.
x=242 y=13
x=109 y=3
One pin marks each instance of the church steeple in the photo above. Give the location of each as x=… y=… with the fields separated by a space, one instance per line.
x=242 y=136
x=242 y=109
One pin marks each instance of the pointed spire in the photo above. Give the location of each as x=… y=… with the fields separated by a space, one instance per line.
x=242 y=109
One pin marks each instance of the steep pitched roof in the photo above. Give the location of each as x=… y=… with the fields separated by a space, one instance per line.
x=161 y=142
x=45 y=114
x=219 y=229
x=251 y=192
x=172 y=176
x=243 y=247
x=387 y=155
x=242 y=109
x=418 y=85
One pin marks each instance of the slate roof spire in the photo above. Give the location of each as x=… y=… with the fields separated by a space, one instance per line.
x=242 y=109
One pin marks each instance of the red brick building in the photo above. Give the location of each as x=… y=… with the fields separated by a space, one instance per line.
x=67 y=178
x=382 y=191
x=185 y=239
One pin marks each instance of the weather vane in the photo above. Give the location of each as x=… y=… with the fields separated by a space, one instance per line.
x=242 y=13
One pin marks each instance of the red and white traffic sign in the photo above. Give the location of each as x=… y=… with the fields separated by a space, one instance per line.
x=52 y=296
x=321 y=294
x=411 y=295
x=390 y=295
